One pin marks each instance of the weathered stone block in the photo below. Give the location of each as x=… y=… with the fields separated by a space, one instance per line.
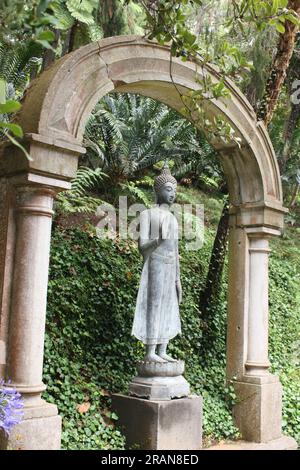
x=258 y=410
x=283 y=443
x=160 y=425
x=42 y=433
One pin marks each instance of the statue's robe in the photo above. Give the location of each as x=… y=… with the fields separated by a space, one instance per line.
x=157 y=317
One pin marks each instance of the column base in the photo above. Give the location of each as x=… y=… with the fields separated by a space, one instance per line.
x=258 y=410
x=39 y=430
x=160 y=425
x=283 y=443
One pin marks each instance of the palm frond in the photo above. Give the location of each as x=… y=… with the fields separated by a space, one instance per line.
x=131 y=133
x=17 y=62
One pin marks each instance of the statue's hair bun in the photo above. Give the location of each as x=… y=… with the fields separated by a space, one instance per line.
x=163 y=178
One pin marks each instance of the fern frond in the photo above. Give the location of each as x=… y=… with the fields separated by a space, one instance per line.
x=182 y=170
x=62 y=14
x=86 y=179
x=136 y=192
x=67 y=203
x=16 y=62
x=94 y=32
x=82 y=10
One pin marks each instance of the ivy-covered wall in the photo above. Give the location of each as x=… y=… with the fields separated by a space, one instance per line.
x=90 y=352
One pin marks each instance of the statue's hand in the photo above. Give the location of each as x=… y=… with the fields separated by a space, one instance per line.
x=179 y=291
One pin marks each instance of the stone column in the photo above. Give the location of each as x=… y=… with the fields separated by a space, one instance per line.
x=258 y=313
x=258 y=408
x=41 y=426
x=238 y=288
x=3 y=268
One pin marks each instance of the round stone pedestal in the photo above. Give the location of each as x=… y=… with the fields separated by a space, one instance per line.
x=159 y=381
x=160 y=369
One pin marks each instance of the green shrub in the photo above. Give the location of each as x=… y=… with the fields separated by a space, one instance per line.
x=285 y=337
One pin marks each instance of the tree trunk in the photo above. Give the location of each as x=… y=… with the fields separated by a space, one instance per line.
x=69 y=40
x=72 y=37
x=49 y=54
x=289 y=128
x=280 y=65
x=111 y=18
x=294 y=195
x=217 y=260
x=66 y=43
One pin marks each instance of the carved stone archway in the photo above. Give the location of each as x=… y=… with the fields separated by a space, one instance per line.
x=53 y=116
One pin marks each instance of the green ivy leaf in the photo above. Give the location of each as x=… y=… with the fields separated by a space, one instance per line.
x=293 y=19
x=9 y=107
x=283 y=3
x=280 y=28
x=14 y=128
x=45 y=44
x=46 y=36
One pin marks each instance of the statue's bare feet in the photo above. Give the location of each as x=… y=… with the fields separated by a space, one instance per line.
x=166 y=357
x=162 y=352
x=153 y=358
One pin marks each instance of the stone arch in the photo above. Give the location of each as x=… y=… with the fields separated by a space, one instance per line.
x=133 y=64
x=53 y=117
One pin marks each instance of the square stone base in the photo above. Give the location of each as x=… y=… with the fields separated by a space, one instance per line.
x=258 y=410
x=283 y=443
x=160 y=425
x=40 y=430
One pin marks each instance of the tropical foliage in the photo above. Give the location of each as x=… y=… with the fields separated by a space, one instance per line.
x=89 y=352
x=126 y=134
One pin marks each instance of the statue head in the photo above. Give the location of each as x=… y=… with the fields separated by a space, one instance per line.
x=165 y=186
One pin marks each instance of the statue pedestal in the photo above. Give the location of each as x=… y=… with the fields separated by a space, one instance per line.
x=159 y=388
x=160 y=425
x=159 y=381
x=162 y=415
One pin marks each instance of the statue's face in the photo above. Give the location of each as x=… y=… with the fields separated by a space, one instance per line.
x=167 y=194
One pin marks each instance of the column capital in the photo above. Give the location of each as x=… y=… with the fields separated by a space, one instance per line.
x=51 y=157
x=266 y=215
x=262 y=232
x=37 y=182
x=259 y=245
x=34 y=200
